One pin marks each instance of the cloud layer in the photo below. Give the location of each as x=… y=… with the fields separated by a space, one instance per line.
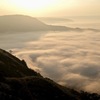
x=70 y=58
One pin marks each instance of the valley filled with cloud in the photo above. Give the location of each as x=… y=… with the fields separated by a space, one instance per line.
x=70 y=58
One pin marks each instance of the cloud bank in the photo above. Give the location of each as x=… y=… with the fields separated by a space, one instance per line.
x=70 y=58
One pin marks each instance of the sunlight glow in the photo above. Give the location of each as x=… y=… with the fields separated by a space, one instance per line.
x=32 y=4
x=50 y=7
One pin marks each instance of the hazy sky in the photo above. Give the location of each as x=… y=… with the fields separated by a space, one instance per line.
x=51 y=7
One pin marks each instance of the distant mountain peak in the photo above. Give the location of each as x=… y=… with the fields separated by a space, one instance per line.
x=24 y=23
x=20 y=23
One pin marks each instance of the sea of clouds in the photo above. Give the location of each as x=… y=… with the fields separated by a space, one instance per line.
x=70 y=58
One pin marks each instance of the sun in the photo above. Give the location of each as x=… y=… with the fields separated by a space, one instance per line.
x=32 y=4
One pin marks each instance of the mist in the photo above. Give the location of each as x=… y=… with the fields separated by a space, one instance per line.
x=69 y=58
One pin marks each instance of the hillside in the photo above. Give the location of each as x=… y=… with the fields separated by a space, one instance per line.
x=11 y=66
x=18 y=82
x=20 y=23
x=23 y=23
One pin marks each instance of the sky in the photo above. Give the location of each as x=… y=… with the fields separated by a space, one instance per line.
x=50 y=8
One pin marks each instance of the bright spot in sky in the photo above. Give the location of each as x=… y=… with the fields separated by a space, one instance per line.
x=51 y=7
x=32 y=4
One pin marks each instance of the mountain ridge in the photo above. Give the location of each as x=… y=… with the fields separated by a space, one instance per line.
x=21 y=23
x=24 y=23
x=13 y=67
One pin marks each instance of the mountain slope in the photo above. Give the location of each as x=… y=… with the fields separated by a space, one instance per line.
x=23 y=23
x=20 y=23
x=18 y=82
x=11 y=66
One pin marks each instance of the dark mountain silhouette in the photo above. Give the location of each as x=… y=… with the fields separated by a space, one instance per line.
x=10 y=66
x=23 y=23
x=18 y=82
